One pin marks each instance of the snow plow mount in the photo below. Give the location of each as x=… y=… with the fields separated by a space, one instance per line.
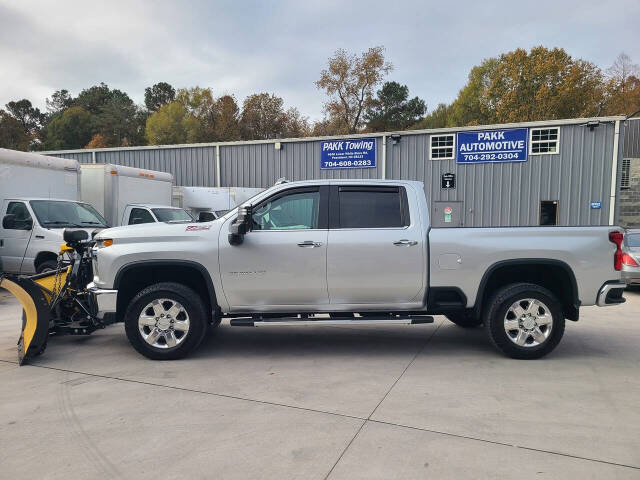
x=55 y=302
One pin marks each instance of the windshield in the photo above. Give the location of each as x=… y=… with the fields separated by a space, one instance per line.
x=54 y=214
x=172 y=215
x=633 y=240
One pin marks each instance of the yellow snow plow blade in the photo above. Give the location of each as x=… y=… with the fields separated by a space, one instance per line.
x=34 y=294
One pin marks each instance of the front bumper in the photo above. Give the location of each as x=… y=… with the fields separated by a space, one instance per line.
x=611 y=294
x=105 y=301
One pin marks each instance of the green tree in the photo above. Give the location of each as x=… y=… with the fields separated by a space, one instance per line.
x=72 y=129
x=295 y=124
x=29 y=116
x=349 y=82
x=437 y=118
x=158 y=95
x=12 y=133
x=59 y=101
x=171 y=124
x=262 y=117
x=473 y=105
x=227 y=119
x=622 y=87
x=392 y=109
x=200 y=108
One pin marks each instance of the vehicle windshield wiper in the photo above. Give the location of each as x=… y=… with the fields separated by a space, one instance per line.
x=61 y=222
x=93 y=223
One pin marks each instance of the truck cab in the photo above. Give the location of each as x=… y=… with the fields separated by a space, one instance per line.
x=31 y=231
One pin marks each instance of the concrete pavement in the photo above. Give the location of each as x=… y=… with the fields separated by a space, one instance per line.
x=423 y=401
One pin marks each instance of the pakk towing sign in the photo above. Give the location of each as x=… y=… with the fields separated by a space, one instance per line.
x=493 y=146
x=349 y=153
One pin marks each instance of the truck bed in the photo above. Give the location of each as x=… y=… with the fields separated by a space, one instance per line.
x=461 y=257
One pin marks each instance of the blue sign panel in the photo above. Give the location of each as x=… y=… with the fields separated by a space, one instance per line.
x=349 y=153
x=493 y=146
x=596 y=205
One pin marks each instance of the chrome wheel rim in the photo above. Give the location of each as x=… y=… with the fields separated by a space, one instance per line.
x=528 y=322
x=164 y=323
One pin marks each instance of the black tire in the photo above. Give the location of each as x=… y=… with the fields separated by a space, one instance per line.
x=193 y=306
x=464 y=319
x=49 y=265
x=496 y=313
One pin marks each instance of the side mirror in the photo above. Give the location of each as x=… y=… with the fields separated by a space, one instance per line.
x=206 y=216
x=242 y=225
x=11 y=222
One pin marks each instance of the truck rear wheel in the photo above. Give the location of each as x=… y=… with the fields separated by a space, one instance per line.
x=166 y=321
x=524 y=320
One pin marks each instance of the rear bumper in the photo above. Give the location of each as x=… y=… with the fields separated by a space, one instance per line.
x=611 y=294
x=631 y=277
x=105 y=301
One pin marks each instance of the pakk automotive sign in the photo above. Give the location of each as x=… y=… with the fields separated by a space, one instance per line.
x=349 y=153
x=493 y=146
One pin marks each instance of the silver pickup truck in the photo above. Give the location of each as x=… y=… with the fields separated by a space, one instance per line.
x=331 y=251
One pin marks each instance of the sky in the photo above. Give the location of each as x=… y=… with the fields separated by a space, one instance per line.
x=244 y=47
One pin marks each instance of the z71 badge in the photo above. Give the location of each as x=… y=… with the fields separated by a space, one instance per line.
x=194 y=228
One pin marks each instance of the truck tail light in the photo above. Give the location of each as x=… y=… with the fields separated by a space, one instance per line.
x=617 y=238
x=628 y=260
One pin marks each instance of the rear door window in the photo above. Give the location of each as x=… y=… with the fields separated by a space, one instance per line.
x=372 y=207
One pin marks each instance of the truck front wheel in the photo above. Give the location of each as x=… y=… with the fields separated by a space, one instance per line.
x=166 y=321
x=524 y=320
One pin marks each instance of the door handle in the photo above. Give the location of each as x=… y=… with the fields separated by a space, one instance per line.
x=310 y=244
x=405 y=243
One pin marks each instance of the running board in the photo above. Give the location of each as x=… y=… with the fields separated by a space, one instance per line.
x=279 y=322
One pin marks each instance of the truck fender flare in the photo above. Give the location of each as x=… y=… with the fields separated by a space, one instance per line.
x=170 y=263
x=522 y=262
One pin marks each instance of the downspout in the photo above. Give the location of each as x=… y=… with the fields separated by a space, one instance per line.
x=218 y=181
x=614 y=174
x=384 y=157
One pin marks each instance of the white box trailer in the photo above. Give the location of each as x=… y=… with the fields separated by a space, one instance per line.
x=113 y=189
x=217 y=200
x=25 y=174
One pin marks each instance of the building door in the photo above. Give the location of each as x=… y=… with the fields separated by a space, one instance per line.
x=446 y=214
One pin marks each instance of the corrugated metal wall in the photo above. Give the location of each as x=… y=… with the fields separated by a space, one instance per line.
x=259 y=165
x=631 y=143
x=506 y=194
x=190 y=167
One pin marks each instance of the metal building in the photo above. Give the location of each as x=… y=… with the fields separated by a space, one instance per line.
x=564 y=172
